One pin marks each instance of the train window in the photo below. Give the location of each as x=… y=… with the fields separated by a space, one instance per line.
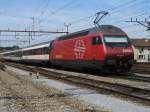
x=24 y=53
x=29 y=52
x=33 y=51
x=17 y=54
x=148 y=57
x=96 y=40
x=45 y=50
x=116 y=41
x=141 y=57
x=39 y=51
x=141 y=50
x=36 y=51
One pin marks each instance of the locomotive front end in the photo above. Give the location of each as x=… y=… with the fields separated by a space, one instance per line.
x=119 y=53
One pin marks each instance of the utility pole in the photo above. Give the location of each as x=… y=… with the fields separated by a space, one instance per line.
x=67 y=26
x=33 y=27
x=29 y=39
x=33 y=23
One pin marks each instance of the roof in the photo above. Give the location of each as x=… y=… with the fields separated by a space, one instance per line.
x=40 y=45
x=106 y=29
x=36 y=47
x=141 y=42
x=43 y=43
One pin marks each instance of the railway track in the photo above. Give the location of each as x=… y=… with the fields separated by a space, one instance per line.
x=141 y=68
x=131 y=76
x=123 y=89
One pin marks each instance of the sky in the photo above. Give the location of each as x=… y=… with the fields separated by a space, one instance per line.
x=50 y=15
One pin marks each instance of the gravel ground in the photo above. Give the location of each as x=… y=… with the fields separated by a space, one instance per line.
x=102 y=102
x=20 y=94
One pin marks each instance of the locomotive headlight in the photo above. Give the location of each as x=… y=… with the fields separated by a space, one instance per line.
x=126 y=50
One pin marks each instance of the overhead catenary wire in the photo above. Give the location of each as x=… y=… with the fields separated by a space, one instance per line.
x=135 y=2
x=40 y=6
x=38 y=14
x=125 y=18
x=80 y=19
x=131 y=2
x=110 y=9
x=87 y=17
x=62 y=7
x=133 y=15
x=116 y=8
x=53 y=12
x=122 y=5
x=44 y=9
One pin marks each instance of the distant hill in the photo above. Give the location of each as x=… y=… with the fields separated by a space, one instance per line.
x=3 y=49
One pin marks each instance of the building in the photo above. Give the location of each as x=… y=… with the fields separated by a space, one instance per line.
x=141 y=49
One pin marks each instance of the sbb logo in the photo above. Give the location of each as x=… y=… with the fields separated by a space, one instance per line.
x=79 y=49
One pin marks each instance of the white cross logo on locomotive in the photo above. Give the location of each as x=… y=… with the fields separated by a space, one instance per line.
x=79 y=49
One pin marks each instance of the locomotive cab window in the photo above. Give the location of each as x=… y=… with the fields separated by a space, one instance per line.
x=96 y=40
x=116 y=41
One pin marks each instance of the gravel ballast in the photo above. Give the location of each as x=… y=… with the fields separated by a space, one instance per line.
x=20 y=94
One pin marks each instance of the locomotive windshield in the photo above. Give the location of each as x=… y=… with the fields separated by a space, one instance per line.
x=116 y=41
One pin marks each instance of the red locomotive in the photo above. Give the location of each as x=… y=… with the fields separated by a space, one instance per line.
x=106 y=48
